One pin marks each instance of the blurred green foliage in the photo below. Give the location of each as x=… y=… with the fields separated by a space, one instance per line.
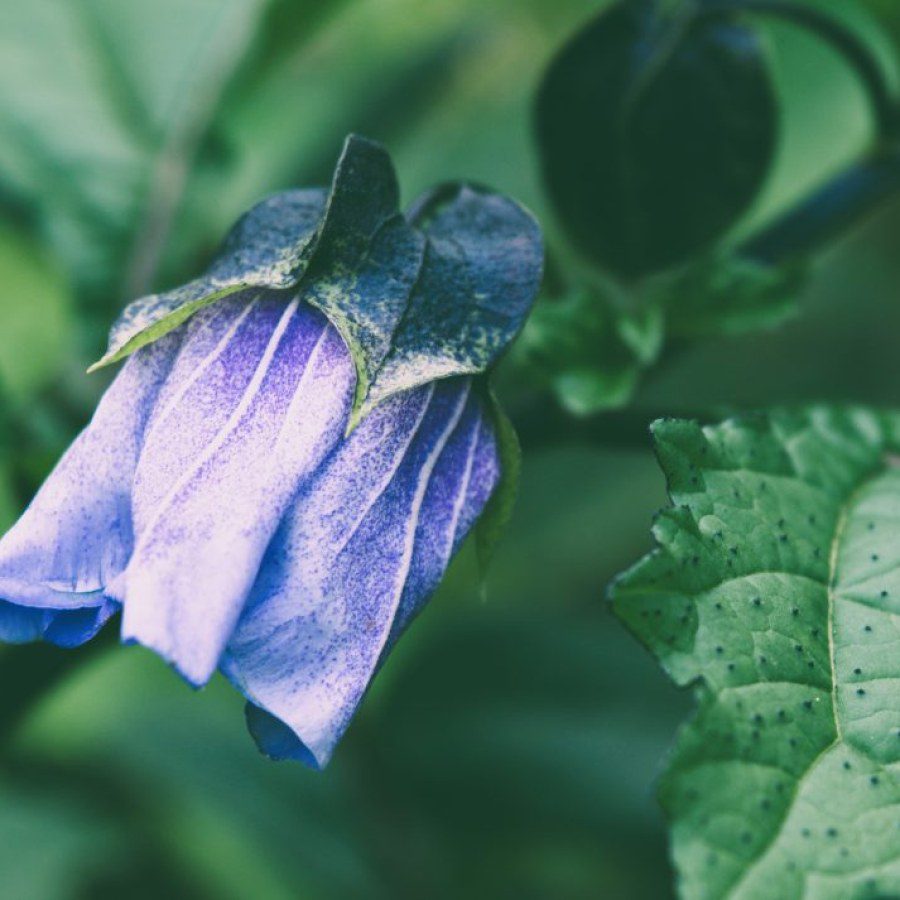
x=657 y=128
x=511 y=744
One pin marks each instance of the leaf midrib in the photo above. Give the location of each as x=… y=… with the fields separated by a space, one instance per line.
x=834 y=549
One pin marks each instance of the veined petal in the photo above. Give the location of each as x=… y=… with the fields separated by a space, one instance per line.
x=258 y=397
x=362 y=548
x=76 y=535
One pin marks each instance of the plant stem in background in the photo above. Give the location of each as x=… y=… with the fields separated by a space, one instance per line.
x=831 y=211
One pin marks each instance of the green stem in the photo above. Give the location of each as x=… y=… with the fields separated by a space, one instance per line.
x=846 y=200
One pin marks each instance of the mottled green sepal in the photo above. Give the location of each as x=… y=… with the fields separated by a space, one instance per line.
x=267 y=248
x=481 y=269
x=438 y=293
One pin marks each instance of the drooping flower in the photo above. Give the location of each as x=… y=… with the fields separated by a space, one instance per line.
x=276 y=480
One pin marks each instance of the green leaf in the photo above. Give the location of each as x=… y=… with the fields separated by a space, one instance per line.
x=51 y=847
x=587 y=352
x=729 y=295
x=35 y=319
x=9 y=505
x=657 y=129
x=111 y=106
x=775 y=590
x=439 y=293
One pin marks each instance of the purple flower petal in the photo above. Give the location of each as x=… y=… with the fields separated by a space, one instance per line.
x=76 y=535
x=258 y=397
x=364 y=545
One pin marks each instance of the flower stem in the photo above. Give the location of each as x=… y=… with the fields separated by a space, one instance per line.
x=830 y=211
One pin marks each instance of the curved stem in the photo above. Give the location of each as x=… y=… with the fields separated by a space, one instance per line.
x=850 y=46
x=841 y=203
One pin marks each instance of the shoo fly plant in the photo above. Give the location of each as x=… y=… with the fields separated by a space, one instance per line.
x=295 y=447
x=295 y=444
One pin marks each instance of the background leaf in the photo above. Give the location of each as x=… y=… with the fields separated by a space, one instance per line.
x=35 y=324
x=643 y=172
x=774 y=589
x=577 y=345
x=723 y=296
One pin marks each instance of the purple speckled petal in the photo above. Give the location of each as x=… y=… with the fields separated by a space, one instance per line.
x=257 y=399
x=364 y=545
x=76 y=535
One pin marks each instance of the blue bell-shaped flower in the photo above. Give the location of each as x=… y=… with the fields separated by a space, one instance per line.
x=275 y=482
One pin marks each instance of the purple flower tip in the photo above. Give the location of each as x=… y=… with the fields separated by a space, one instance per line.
x=215 y=499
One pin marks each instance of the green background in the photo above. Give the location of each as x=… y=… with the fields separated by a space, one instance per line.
x=511 y=744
